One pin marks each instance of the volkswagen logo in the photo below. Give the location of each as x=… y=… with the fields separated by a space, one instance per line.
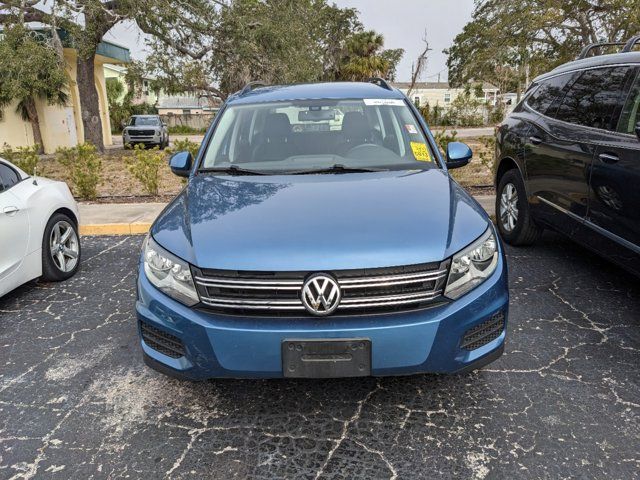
x=321 y=294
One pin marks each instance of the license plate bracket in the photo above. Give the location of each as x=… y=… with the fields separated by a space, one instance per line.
x=323 y=358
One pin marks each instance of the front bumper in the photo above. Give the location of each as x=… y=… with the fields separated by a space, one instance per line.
x=405 y=343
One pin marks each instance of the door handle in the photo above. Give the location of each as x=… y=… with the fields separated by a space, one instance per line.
x=535 y=140
x=11 y=210
x=609 y=157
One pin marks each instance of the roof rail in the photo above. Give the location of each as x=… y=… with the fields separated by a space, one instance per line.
x=251 y=85
x=381 y=82
x=631 y=43
x=585 y=51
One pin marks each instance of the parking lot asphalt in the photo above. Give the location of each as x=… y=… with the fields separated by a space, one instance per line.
x=76 y=401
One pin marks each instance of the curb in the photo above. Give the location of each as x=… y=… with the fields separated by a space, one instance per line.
x=115 y=229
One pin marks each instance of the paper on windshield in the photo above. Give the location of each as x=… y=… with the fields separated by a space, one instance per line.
x=421 y=152
x=388 y=102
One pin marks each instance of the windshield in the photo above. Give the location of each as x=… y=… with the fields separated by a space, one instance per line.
x=144 y=122
x=313 y=135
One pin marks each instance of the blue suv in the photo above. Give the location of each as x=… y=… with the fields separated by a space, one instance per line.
x=321 y=235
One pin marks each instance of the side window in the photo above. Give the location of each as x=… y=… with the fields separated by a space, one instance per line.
x=8 y=177
x=548 y=91
x=631 y=111
x=593 y=97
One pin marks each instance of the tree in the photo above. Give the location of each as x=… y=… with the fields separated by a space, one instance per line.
x=30 y=70
x=365 y=57
x=276 y=41
x=466 y=110
x=155 y=17
x=508 y=42
x=119 y=109
x=255 y=40
x=419 y=66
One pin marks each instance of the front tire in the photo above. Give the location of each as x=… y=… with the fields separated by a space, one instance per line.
x=60 y=249
x=513 y=215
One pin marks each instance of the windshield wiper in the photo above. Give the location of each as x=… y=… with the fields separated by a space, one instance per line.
x=338 y=168
x=233 y=170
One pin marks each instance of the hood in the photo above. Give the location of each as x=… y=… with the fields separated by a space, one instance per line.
x=319 y=222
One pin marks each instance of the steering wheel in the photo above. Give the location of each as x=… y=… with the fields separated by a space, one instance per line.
x=362 y=148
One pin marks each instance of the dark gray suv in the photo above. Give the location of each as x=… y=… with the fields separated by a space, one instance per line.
x=146 y=129
x=569 y=157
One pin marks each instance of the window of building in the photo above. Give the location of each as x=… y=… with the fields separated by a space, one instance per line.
x=447 y=97
x=592 y=99
x=416 y=101
x=186 y=111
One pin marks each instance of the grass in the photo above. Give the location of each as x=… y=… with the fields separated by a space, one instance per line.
x=478 y=173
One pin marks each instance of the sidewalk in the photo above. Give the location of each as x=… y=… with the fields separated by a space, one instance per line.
x=117 y=218
x=136 y=218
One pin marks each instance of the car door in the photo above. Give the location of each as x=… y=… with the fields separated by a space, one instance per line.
x=614 y=209
x=563 y=143
x=14 y=228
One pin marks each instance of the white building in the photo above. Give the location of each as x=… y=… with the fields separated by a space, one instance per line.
x=442 y=94
x=188 y=105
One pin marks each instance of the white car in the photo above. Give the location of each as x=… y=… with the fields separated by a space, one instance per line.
x=38 y=229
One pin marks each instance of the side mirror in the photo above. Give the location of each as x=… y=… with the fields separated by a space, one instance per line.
x=164 y=124
x=638 y=130
x=458 y=155
x=181 y=163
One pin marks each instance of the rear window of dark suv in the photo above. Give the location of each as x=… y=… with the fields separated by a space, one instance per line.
x=587 y=98
x=593 y=97
x=547 y=92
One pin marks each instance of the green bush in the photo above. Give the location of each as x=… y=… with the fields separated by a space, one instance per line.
x=497 y=113
x=443 y=138
x=145 y=165
x=185 y=145
x=186 y=130
x=84 y=169
x=487 y=153
x=25 y=158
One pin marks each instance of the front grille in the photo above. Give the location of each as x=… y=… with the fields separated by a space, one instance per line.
x=161 y=341
x=141 y=133
x=484 y=333
x=363 y=291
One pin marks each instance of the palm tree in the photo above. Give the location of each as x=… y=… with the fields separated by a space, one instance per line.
x=30 y=70
x=364 y=57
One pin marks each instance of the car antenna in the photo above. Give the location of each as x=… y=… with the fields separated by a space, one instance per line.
x=35 y=176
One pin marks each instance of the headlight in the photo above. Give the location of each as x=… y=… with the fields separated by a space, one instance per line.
x=169 y=274
x=472 y=266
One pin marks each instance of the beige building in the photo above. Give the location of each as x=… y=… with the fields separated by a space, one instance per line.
x=62 y=126
x=442 y=94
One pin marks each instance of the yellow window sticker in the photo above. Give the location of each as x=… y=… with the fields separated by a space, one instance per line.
x=421 y=152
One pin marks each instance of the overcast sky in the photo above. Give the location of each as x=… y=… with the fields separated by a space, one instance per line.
x=402 y=22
